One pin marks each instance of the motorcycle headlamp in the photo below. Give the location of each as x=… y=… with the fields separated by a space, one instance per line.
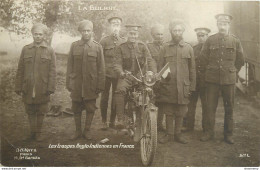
x=149 y=78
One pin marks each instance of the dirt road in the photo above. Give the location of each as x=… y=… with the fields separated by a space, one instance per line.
x=58 y=130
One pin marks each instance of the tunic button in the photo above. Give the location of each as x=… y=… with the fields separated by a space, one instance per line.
x=220 y=67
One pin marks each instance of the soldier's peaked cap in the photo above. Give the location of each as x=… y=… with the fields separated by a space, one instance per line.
x=202 y=30
x=223 y=17
x=132 y=27
x=114 y=17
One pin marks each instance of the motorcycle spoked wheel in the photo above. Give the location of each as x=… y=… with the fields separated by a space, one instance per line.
x=148 y=141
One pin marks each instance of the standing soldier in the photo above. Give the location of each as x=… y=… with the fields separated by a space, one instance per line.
x=154 y=48
x=85 y=77
x=35 y=79
x=223 y=56
x=129 y=56
x=175 y=89
x=202 y=35
x=108 y=44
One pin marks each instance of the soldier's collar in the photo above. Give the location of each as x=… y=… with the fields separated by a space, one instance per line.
x=89 y=43
x=131 y=45
x=157 y=42
x=181 y=43
x=43 y=44
x=223 y=36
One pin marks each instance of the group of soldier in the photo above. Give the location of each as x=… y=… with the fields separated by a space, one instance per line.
x=202 y=71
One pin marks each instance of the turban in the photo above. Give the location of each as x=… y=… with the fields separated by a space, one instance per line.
x=84 y=23
x=156 y=27
x=39 y=26
x=176 y=22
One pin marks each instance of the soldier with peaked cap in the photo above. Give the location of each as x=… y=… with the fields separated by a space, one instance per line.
x=154 y=47
x=175 y=89
x=128 y=55
x=35 y=78
x=109 y=44
x=202 y=35
x=85 y=77
x=222 y=57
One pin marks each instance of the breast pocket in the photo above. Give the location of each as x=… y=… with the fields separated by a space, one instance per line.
x=45 y=59
x=28 y=65
x=92 y=61
x=109 y=51
x=185 y=57
x=77 y=55
x=214 y=48
x=230 y=51
x=92 y=56
x=28 y=59
x=45 y=65
x=170 y=58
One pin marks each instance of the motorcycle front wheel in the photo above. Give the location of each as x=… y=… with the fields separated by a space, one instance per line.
x=148 y=141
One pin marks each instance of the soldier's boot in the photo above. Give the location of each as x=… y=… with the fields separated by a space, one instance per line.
x=32 y=124
x=207 y=136
x=104 y=117
x=177 y=130
x=169 y=127
x=112 y=117
x=120 y=108
x=39 y=123
x=229 y=139
x=87 y=132
x=77 y=119
x=160 y=123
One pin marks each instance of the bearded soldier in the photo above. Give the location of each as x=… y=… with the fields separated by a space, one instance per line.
x=175 y=88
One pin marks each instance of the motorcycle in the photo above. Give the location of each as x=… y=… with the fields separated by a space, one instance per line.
x=141 y=113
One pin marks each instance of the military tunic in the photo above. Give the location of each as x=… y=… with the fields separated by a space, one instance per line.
x=199 y=92
x=127 y=55
x=182 y=77
x=154 y=49
x=36 y=73
x=223 y=58
x=109 y=44
x=85 y=70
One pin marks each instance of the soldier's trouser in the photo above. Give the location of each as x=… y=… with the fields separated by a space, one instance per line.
x=105 y=97
x=78 y=107
x=36 y=115
x=170 y=110
x=212 y=94
x=122 y=86
x=192 y=107
x=160 y=116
